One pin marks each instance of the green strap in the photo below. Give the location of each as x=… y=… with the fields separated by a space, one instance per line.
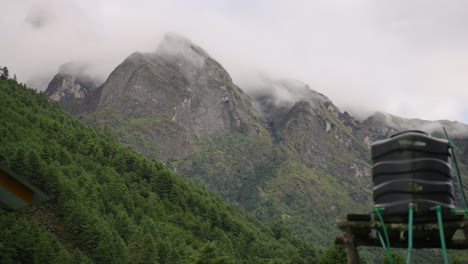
x=457 y=170
x=387 y=247
x=410 y=232
x=441 y=233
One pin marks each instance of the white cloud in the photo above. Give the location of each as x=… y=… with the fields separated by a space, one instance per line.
x=409 y=58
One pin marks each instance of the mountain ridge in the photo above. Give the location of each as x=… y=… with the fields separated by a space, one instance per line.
x=261 y=151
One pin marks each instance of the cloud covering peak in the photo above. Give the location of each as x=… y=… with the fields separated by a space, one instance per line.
x=408 y=58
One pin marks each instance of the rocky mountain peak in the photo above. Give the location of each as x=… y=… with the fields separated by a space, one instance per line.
x=72 y=81
x=280 y=96
x=181 y=82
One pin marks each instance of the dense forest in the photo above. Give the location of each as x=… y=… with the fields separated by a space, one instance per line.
x=109 y=204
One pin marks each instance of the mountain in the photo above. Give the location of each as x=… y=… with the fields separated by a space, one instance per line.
x=283 y=152
x=311 y=167
x=74 y=87
x=109 y=204
x=175 y=95
x=181 y=81
x=72 y=81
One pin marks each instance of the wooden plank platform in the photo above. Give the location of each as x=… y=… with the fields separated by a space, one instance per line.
x=359 y=230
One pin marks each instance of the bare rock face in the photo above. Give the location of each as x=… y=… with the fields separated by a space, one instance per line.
x=65 y=88
x=171 y=97
x=181 y=81
x=310 y=124
x=69 y=83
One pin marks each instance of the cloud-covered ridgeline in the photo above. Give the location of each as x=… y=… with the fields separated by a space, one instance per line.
x=408 y=58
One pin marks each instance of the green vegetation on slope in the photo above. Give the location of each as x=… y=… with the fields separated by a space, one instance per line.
x=148 y=135
x=310 y=200
x=251 y=171
x=111 y=205
x=233 y=164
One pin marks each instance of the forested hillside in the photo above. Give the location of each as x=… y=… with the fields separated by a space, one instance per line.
x=283 y=152
x=109 y=204
x=303 y=163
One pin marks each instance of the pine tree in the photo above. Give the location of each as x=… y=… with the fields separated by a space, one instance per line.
x=18 y=163
x=143 y=248
x=5 y=75
x=35 y=169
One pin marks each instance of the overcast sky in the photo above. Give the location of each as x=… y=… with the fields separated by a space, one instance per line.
x=408 y=58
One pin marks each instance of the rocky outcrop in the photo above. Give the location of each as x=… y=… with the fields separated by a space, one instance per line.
x=74 y=88
x=181 y=81
x=71 y=82
x=310 y=125
x=178 y=88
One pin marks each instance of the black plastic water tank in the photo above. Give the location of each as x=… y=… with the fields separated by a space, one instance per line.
x=412 y=167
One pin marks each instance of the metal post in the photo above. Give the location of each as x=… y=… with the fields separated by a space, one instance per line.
x=410 y=232
x=441 y=233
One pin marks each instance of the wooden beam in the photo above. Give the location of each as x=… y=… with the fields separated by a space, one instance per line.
x=350 y=245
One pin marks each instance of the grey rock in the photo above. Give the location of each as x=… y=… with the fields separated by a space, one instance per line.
x=70 y=82
x=182 y=81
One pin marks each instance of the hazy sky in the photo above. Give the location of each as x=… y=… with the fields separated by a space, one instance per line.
x=408 y=58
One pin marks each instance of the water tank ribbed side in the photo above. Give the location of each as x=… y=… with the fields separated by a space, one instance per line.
x=412 y=167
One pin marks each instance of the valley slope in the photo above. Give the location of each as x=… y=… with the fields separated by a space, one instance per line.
x=108 y=204
x=300 y=161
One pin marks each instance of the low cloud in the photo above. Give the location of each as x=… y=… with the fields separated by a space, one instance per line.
x=178 y=46
x=454 y=129
x=408 y=58
x=281 y=92
x=37 y=18
x=83 y=71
